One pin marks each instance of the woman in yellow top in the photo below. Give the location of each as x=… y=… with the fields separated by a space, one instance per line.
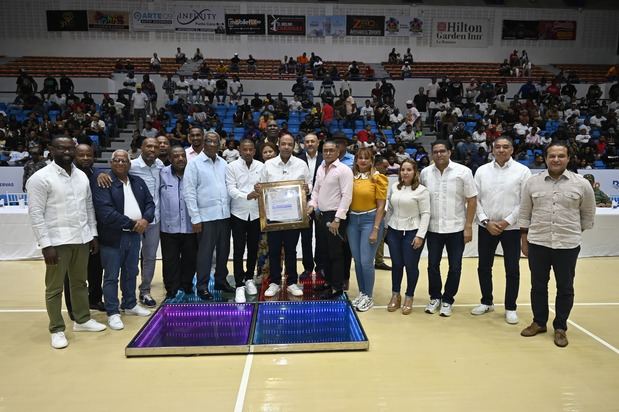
x=365 y=223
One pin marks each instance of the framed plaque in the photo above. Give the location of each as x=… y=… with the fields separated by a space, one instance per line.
x=283 y=206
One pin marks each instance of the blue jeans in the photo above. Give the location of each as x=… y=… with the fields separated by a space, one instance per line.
x=454 y=242
x=403 y=255
x=121 y=261
x=363 y=252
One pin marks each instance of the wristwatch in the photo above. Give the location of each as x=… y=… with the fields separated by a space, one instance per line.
x=484 y=222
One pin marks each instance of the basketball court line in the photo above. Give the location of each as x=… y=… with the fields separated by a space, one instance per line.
x=240 y=396
x=590 y=334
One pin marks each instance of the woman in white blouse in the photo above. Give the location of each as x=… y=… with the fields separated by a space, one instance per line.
x=407 y=221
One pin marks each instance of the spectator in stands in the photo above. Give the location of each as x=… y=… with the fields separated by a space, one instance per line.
x=408 y=57
x=26 y=85
x=169 y=85
x=155 y=63
x=368 y=73
x=583 y=136
x=149 y=88
x=367 y=111
x=221 y=89
x=406 y=71
x=195 y=87
x=35 y=163
x=354 y=72
x=291 y=65
x=394 y=57
x=302 y=62
x=401 y=155
x=505 y=69
x=236 y=90
x=251 y=64
x=601 y=198
x=594 y=92
x=235 y=63
x=198 y=56
x=129 y=84
x=149 y=130
x=139 y=100
x=50 y=86
x=387 y=92
x=538 y=163
x=209 y=85
x=164 y=149
x=66 y=85
x=182 y=88
x=407 y=136
x=65 y=239
x=180 y=56
x=231 y=153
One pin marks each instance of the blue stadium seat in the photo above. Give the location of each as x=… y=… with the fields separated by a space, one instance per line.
x=599 y=164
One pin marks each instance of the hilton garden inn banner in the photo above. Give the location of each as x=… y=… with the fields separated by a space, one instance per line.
x=460 y=33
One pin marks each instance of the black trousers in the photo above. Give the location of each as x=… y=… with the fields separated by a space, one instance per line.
x=178 y=253
x=311 y=258
x=288 y=239
x=215 y=236
x=454 y=243
x=563 y=263
x=487 y=244
x=334 y=250
x=244 y=232
x=95 y=281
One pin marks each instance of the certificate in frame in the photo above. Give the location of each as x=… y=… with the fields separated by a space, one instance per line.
x=283 y=206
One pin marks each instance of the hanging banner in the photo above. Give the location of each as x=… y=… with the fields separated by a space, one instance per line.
x=278 y=24
x=460 y=33
x=202 y=19
x=108 y=20
x=155 y=20
x=67 y=20
x=245 y=24
x=321 y=26
x=365 y=25
x=538 y=30
x=403 y=26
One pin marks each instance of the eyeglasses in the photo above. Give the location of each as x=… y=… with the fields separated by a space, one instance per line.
x=120 y=161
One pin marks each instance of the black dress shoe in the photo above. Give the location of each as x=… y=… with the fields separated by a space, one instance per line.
x=98 y=306
x=382 y=266
x=332 y=294
x=322 y=288
x=225 y=287
x=205 y=295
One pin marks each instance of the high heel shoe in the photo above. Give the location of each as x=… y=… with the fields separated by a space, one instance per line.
x=407 y=308
x=394 y=303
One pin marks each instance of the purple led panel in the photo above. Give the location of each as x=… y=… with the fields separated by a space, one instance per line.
x=195 y=328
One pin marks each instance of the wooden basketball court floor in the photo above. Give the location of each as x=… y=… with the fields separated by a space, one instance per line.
x=415 y=362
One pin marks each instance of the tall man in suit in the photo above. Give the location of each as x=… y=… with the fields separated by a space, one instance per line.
x=313 y=158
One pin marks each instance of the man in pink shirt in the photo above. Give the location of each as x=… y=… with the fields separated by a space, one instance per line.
x=331 y=199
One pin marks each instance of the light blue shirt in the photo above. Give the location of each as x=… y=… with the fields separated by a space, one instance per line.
x=174 y=214
x=204 y=188
x=348 y=159
x=150 y=176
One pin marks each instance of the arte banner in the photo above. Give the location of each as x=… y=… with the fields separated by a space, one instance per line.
x=199 y=18
x=152 y=20
x=108 y=20
x=403 y=26
x=67 y=20
x=245 y=24
x=365 y=25
x=321 y=26
x=278 y=24
x=460 y=33
x=538 y=30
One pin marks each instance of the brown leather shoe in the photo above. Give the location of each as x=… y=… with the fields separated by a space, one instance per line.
x=532 y=330
x=394 y=303
x=560 y=338
x=407 y=307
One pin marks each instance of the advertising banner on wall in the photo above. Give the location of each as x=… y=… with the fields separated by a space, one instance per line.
x=279 y=25
x=202 y=19
x=460 y=33
x=538 y=30
x=152 y=20
x=321 y=26
x=11 y=179
x=365 y=25
x=245 y=24
x=67 y=20
x=108 y=20
x=403 y=26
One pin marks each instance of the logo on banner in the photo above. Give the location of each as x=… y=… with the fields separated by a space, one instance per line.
x=460 y=33
x=201 y=17
x=150 y=17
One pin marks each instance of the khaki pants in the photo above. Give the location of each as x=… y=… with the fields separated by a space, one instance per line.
x=72 y=260
x=380 y=251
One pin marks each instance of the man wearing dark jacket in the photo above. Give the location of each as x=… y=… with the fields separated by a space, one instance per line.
x=123 y=212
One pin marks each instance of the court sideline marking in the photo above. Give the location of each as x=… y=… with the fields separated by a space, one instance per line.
x=590 y=334
x=240 y=396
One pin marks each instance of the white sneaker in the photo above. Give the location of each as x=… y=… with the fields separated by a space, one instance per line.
x=137 y=310
x=240 y=295
x=90 y=326
x=59 y=340
x=433 y=306
x=250 y=287
x=482 y=309
x=511 y=317
x=366 y=304
x=445 y=310
x=115 y=322
x=272 y=290
x=295 y=290
x=355 y=302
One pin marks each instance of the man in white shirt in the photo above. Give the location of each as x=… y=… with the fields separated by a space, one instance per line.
x=241 y=178
x=432 y=89
x=284 y=167
x=63 y=220
x=182 y=88
x=453 y=200
x=196 y=138
x=236 y=90
x=499 y=184
x=139 y=100
x=195 y=85
x=367 y=111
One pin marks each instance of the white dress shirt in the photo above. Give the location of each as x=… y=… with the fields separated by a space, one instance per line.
x=240 y=181
x=60 y=206
x=131 y=207
x=275 y=170
x=311 y=164
x=499 y=191
x=448 y=194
